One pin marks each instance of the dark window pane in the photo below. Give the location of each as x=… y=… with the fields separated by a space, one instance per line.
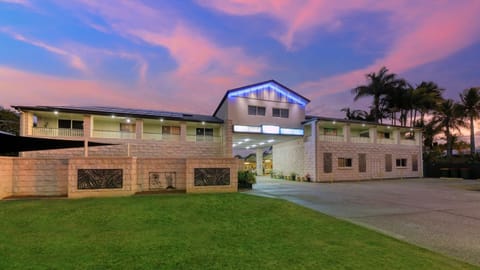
x=252 y=110
x=209 y=132
x=414 y=163
x=275 y=112
x=260 y=110
x=284 y=113
x=77 y=124
x=200 y=131
x=64 y=123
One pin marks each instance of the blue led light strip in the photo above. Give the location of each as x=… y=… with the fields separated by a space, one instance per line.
x=289 y=95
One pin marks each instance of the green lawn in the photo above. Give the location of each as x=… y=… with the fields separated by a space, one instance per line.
x=222 y=231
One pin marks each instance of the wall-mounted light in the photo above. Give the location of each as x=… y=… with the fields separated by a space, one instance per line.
x=113 y=115
x=262 y=143
x=128 y=120
x=161 y=119
x=203 y=122
x=248 y=147
x=55 y=112
x=254 y=145
x=247 y=139
x=233 y=145
x=271 y=140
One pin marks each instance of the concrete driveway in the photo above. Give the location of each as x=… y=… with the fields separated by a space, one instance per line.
x=439 y=214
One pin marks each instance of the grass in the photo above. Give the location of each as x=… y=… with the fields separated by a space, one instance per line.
x=211 y=231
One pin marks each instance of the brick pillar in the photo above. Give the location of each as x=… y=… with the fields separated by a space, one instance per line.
x=373 y=134
x=139 y=129
x=346 y=133
x=227 y=138
x=396 y=135
x=26 y=124
x=87 y=126
x=183 y=132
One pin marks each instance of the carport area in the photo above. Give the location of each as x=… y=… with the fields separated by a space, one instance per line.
x=442 y=215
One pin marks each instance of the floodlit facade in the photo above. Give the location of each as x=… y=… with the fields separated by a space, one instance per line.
x=155 y=150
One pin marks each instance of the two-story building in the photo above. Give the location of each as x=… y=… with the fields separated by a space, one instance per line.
x=266 y=115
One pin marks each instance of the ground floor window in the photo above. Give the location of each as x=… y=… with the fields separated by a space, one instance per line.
x=344 y=162
x=401 y=162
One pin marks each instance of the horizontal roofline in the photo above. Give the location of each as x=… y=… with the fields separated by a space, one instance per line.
x=124 y=112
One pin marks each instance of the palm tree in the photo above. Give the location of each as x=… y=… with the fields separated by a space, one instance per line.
x=378 y=85
x=428 y=96
x=449 y=116
x=471 y=108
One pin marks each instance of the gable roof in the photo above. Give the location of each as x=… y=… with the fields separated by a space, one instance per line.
x=270 y=84
x=125 y=112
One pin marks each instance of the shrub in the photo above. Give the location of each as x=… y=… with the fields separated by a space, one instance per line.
x=246 y=177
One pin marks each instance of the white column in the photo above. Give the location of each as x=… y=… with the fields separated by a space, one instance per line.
x=259 y=161
x=373 y=134
x=346 y=133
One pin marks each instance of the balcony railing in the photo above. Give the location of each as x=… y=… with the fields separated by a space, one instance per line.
x=408 y=142
x=110 y=134
x=330 y=138
x=57 y=132
x=160 y=136
x=385 y=141
x=194 y=138
x=356 y=139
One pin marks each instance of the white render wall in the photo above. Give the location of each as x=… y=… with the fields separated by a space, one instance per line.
x=288 y=157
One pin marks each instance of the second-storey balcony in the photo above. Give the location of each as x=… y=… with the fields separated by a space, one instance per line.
x=56 y=132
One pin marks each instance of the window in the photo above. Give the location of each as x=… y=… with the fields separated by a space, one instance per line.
x=401 y=162
x=170 y=130
x=204 y=133
x=415 y=163
x=344 y=162
x=277 y=112
x=256 y=110
x=330 y=131
x=365 y=134
x=388 y=162
x=362 y=162
x=384 y=135
x=70 y=124
x=127 y=127
x=327 y=162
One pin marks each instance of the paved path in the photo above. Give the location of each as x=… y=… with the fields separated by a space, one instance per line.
x=439 y=214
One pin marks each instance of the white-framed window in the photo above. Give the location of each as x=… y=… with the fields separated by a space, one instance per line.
x=171 y=130
x=278 y=112
x=330 y=131
x=344 y=162
x=401 y=162
x=256 y=110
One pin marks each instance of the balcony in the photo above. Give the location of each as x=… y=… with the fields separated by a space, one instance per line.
x=385 y=141
x=160 y=137
x=357 y=139
x=57 y=132
x=194 y=138
x=330 y=138
x=110 y=134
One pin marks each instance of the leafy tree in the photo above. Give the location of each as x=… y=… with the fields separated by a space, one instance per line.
x=378 y=85
x=470 y=101
x=9 y=121
x=358 y=115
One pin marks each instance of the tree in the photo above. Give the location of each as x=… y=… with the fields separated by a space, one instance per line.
x=378 y=85
x=357 y=115
x=428 y=96
x=9 y=121
x=449 y=115
x=470 y=101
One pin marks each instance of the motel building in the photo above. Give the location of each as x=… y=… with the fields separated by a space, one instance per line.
x=158 y=151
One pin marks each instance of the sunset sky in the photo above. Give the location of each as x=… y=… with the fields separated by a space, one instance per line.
x=183 y=55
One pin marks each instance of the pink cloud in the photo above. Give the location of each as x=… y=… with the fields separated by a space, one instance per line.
x=419 y=42
x=26 y=88
x=73 y=60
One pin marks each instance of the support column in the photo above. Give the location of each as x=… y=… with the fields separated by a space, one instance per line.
x=372 y=132
x=183 y=132
x=227 y=139
x=346 y=133
x=139 y=129
x=396 y=135
x=259 y=161
x=87 y=126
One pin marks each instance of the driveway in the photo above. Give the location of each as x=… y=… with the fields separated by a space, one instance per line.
x=439 y=214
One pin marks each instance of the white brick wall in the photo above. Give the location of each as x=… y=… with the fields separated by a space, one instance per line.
x=288 y=157
x=375 y=154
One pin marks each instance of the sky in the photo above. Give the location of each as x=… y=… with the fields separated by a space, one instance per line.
x=184 y=55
